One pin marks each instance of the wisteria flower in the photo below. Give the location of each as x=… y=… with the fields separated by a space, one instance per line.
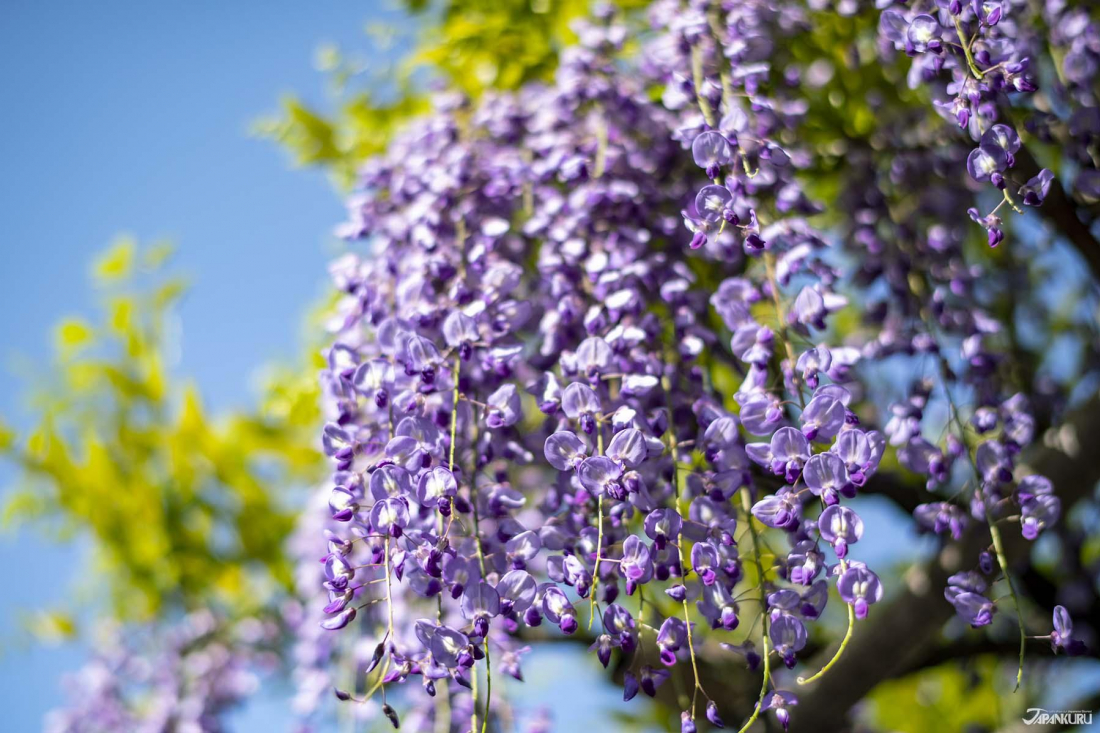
x=860 y=588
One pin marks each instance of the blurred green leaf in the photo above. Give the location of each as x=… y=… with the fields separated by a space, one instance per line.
x=184 y=508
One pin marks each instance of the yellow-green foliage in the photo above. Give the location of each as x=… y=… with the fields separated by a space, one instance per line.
x=945 y=699
x=184 y=508
x=472 y=45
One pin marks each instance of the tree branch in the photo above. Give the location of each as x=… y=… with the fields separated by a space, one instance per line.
x=1060 y=211
x=899 y=633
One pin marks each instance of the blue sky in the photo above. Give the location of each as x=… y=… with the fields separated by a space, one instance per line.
x=134 y=117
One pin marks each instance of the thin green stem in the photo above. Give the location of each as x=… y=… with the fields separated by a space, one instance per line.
x=601 y=143
x=599 y=539
x=481 y=563
x=666 y=383
x=966 y=51
x=714 y=23
x=389 y=629
x=843 y=644
x=473 y=707
x=746 y=505
x=781 y=315
x=1002 y=560
x=994 y=530
x=454 y=416
x=698 y=79
x=443 y=708
x=488 y=686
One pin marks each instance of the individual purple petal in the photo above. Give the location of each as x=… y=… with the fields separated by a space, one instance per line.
x=712 y=201
x=1004 y=137
x=761 y=413
x=670 y=638
x=1035 y=191
x=389 y=516
x=460 y=331
x=790 y=450
x=860 y=588
x=652 y=679
x=342 y=504
x=1038 y=513
x=434 y=485
x=636 y=564
x=628 y=447
x=711 y=151
x=974 y=608
x=521 y=549
x=940 y=517
x=826 y=476
x=704 y=561
x=390 y=481
x=809 y=308
x=986 y=160
x=788 y=636
x=600 y=475
x=1062 y=636
x=502 y=408
x=840 y=527
x=580 y=402
x=564 y=450
x=712 y=715
x=340 y=620
x=780 y=701
x=781 y=511
x=630 y=686
x=825 y=414
x=812 y=362
x=923 y=34
x=662 y=526
x=447 y=645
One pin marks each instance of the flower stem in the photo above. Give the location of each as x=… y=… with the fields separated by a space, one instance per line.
x=843 y=643
x=473 y=707
x=1002 y=560
x=599 y=539
x=454 y=415
x=714 y=22
x=488 y=686
x=389 y=630
x=697 y=80
x=481 y=563
x=781 y=315
x=994 y=530
x=966 y=50
x=601 y=143
x=746 y=505
x=666 y=383
x=1008 y=199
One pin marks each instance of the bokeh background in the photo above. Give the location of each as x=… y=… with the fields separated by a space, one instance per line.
x=139 y=118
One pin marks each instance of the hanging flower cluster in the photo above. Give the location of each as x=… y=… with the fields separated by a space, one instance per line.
x=986 y=50
x=586 y=370
x=183 y=678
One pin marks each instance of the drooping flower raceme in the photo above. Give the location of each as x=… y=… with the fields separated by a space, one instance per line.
x=547 y=289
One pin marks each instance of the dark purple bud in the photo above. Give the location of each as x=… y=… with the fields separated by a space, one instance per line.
x=391 y=714
x=676 y=592
x=630 y=686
